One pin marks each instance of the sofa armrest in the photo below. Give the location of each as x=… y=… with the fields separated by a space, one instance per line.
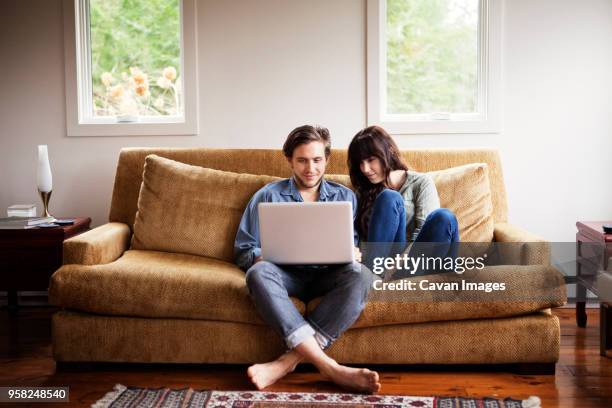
x=520 y=247
x=100 y=245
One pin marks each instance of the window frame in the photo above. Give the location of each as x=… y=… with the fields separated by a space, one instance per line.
x=78 y=80
x=487 y=120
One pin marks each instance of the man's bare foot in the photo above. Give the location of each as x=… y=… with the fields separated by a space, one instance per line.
x=264 y=375
x=354 y=379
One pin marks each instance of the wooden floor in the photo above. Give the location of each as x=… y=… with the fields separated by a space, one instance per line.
x=583 y=378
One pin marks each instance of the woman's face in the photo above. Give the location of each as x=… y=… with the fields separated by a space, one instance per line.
x=372 y=169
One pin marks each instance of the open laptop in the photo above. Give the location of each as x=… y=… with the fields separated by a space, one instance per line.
x=319 y=233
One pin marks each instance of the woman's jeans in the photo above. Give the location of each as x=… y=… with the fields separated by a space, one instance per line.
x=438 y=237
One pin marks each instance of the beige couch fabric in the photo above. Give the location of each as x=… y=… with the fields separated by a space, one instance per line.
x=151 y=306
x=157 y=284
x=87 y=337
x=272 y=162
x=517 y=246
x=100 y=245
x=528 y=289
x=465 y=191
x=164 y=285
x=190 y=209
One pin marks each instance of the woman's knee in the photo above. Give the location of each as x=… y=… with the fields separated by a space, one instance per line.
x=389 y=195
x=389 y=198
x=443 y=216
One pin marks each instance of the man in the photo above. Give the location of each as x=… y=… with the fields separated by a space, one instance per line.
x=343 y=288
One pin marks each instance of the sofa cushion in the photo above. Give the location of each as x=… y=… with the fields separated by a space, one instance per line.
x=465 y=191
x=87 y=337
x=190 y=209
x=343 y=179
x=268 y=161
x=157 y=284
x=164 y=285
x=528 y=289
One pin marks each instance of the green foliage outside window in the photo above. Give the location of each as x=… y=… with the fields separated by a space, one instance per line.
x=432 y=56
x=135 y=57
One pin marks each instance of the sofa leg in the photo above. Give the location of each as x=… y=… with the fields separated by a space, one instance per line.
x=536 y=368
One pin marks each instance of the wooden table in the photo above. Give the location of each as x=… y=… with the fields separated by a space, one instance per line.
x=593 y=251
x=28 y=257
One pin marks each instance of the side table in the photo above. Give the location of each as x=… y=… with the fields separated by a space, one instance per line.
x=593 y=250
x=28 y=257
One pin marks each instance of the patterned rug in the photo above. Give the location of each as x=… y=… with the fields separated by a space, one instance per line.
x=122 y=396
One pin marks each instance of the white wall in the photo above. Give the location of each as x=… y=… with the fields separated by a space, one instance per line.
x=267 y=66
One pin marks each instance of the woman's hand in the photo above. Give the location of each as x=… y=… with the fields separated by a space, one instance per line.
x=357 y=254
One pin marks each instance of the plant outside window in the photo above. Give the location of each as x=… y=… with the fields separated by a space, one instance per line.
x=135 y=57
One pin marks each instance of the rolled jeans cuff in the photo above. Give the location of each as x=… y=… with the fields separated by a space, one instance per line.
x=322 y=340
x=299 y=335
x=321 y=337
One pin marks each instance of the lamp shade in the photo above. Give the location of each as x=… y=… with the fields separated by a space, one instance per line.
x=44 y=179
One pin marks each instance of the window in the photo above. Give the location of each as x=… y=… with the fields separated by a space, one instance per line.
x=434 y=66
x=130 y=67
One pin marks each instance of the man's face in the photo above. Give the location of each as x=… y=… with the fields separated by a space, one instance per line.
x=308 y=164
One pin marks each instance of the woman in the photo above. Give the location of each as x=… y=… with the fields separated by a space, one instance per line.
x=396 y=205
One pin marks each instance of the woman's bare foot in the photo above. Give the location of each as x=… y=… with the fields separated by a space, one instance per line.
x=264 y=375
x=354 y=379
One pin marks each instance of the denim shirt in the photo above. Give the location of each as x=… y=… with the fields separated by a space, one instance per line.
x=247 y=245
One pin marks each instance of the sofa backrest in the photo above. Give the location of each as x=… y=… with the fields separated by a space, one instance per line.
x=272 y=162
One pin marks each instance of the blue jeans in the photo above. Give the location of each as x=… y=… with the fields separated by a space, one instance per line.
x=343 y=290
x=388 y=225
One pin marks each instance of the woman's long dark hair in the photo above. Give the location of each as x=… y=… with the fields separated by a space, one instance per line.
x=372 y=141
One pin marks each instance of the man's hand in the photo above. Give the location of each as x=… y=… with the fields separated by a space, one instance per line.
x=357 y=254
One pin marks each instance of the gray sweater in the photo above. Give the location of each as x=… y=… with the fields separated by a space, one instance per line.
x=420 y=199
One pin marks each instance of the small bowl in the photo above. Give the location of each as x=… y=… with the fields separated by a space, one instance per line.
x=127 y=118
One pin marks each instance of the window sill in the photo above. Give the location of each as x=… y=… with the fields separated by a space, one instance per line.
x=431 y=127
x=132 y=129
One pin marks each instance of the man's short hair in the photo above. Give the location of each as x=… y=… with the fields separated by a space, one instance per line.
x=304 y=135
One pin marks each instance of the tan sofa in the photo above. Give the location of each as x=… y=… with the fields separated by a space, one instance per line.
x=122 y=305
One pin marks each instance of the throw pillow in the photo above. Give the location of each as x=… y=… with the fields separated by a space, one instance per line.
x=465 y=190
x=343 y=179
x=190 y=209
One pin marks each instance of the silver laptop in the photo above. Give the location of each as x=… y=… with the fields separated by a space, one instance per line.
x=319 y=233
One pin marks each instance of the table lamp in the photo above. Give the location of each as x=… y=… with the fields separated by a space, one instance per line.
x=44 y=179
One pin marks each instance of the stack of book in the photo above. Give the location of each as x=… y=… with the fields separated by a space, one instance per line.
x=23 y=222
x=21 y=210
